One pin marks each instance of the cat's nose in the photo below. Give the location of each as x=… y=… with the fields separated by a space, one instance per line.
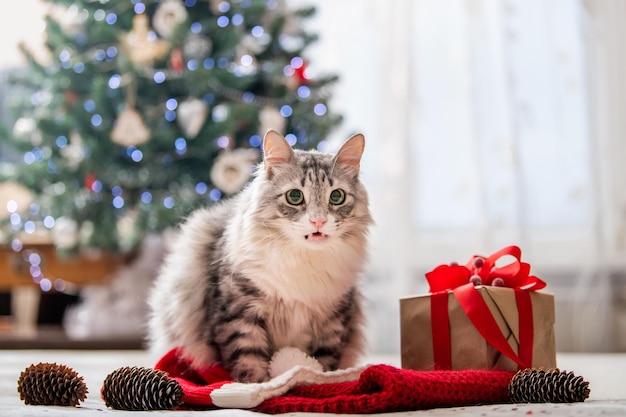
x=318 y=222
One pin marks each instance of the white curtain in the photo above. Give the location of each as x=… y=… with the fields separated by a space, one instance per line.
x=488 y=123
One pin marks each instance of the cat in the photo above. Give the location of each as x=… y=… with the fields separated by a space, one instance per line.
x=277 y=265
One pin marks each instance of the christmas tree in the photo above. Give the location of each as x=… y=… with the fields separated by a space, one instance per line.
x=149 y=109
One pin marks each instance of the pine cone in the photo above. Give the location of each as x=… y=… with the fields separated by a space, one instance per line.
x=547 y=386
x=137 y=389
x=51 y=384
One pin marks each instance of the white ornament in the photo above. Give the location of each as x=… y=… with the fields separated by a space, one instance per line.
x=65 y=233
x=14 y=198
x=24 y=128
x=168 y=15
x=270 y=118
x=191 y=115
x=130 y=129
x=74 y=152
x=232 y=169
x=197 y=46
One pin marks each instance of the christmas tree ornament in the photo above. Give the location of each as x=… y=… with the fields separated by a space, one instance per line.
x=51 y=384
x=270 y=118
x=65 y=233
x=197 y=46
x=74 y=152
x=141 y=45
x=291 y=43
x=14 y=198
x=177 y=61
x=168 y=15
x=547 y=386
x=233 y=168
x=191 y=116
x=25 y=129
x=130 y=129
x=141 y=389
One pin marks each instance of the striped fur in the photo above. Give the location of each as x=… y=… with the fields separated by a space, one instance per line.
x=256 y=273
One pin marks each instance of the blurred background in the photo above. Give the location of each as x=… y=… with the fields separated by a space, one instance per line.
x=488 y=123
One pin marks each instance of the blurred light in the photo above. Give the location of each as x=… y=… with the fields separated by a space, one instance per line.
x=190 y=3
x=215 y=194
x=29 y=158
x=118 y=202
x=146 y=197
x=291 y=138
x=168 y=202
x=255 y=140
x=48 y=222
x=66 y=64
x=201 y=188
x=111 y=51
x=159 y=77
x=59 y=285
x=319 y=109
x=34 y=259
x=35 y=271
x=45 y=285
x=222 y=21
x=223 y=142
x=99 y=15
x=192 y=64
x=246 y=60
x=11 y=206
x=196 y=27
x=223 y=7
x=222 y=62
x=170 y=115
x=100 y=54
x=136 y=155
x=286 y=111
x=29 y=227
x=171 y=104
x=297 y=62
x=96 y=187
x=34 y=209
x=61 y=141
x=116 y=191
x=111 y=18
x=304 y=91
x=96 y=120
x=181 y=145
x=237 y=19
x=208 y=63
x=64 y=56
x=139 y=8
x=288 y=70
x=257 y=31
x=248 y=97
x=89 y=105
x=79 y=67
x=115 y=81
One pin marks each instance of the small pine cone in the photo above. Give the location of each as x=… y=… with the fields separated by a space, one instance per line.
x=51 y=384
x=547 y=386
x=137 y=389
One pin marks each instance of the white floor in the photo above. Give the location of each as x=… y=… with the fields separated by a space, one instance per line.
x=605 y=373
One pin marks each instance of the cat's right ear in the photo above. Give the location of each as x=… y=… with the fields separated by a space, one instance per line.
x=276 y=151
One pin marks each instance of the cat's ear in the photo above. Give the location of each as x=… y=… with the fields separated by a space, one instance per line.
x=349 y=155
x=276 y=150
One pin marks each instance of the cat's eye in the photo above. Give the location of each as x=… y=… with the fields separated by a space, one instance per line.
x=337 y=196
x=295 y=197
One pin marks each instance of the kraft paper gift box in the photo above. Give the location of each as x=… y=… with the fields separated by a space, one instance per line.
x=505 y=324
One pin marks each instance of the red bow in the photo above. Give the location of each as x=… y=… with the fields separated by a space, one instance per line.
x=513 y=275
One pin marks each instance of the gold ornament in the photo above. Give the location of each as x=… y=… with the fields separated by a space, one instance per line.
x=130 y=130
x=140 y=46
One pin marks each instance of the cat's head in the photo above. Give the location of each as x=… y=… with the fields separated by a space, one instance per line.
x=310 y=198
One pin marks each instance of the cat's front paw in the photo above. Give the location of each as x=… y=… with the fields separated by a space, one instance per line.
x=250 y=374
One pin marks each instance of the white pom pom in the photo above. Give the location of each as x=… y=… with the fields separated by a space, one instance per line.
x=288 y=357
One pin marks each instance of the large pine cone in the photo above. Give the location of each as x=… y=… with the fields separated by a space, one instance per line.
x=547 y=386
x=51 y=384
x=137 y=389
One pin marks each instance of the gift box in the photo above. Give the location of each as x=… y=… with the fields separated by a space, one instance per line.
x=480 y=316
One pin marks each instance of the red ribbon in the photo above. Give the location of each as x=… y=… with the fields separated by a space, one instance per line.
x=456 y=278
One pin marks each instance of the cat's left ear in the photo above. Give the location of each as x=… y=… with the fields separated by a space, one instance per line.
x=349 y=155
x=276 y=150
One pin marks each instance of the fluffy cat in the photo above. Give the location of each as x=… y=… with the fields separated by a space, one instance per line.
x=276 y=265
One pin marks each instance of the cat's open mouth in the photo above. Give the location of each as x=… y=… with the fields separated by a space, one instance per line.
x=316 y=236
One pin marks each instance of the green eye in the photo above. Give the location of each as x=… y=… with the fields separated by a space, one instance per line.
x=337 y=196
x=295 y=197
